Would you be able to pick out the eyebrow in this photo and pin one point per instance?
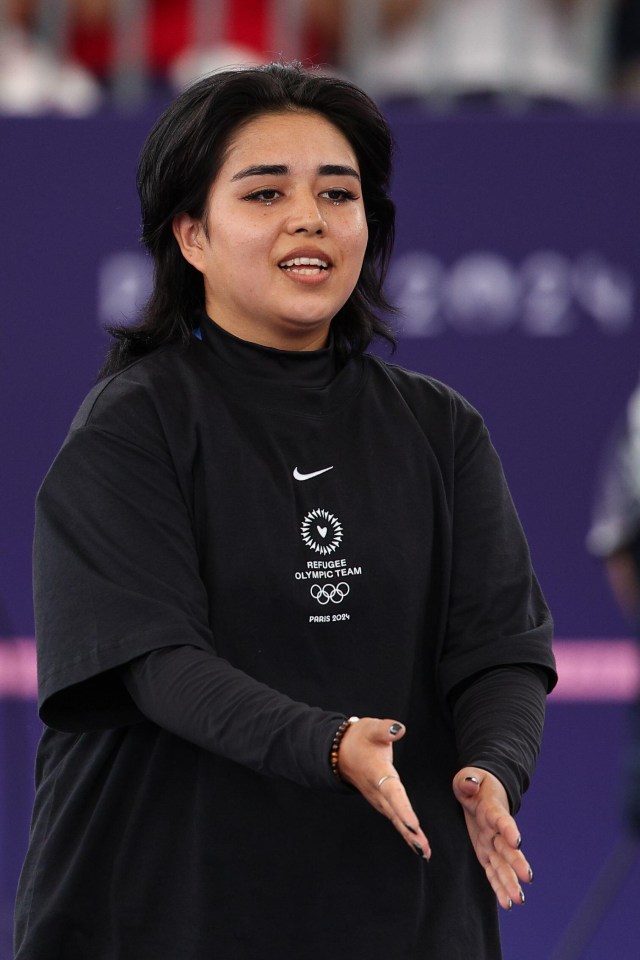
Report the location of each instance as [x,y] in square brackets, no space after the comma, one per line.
[280,170]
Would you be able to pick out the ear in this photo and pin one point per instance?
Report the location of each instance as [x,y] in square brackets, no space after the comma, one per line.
[190,236]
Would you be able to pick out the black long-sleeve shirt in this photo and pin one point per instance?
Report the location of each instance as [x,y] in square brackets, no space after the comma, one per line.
[498,717]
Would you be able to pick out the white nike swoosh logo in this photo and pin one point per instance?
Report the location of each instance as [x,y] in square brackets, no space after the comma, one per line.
[307,476]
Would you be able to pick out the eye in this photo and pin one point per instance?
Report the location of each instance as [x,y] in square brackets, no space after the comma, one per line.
[266,196]
[339,195]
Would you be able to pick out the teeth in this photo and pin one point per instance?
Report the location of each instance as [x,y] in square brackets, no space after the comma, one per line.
[305,262]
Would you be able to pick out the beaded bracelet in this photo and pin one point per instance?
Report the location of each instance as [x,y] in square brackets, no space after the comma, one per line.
[335,746]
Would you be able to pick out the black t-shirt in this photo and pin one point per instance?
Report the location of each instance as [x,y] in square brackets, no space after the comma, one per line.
[339,540]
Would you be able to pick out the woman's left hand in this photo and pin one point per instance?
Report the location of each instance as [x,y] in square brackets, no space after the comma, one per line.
[493,832]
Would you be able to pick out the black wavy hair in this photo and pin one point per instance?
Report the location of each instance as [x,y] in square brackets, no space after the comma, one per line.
[180,160]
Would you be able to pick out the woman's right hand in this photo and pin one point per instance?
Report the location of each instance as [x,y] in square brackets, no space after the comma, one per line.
[365,760]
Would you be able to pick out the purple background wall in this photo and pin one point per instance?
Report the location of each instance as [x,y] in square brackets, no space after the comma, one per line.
[517,268]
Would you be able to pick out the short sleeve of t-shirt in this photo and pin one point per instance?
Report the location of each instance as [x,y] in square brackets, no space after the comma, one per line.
[497,614]
[493,609]
[115,563]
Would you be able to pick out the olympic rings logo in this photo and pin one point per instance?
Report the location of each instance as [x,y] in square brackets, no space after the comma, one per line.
[330,592]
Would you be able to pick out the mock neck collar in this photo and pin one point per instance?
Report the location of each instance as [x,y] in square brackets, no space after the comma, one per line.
[306,367]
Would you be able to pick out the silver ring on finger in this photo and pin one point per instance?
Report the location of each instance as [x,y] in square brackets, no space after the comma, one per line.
[388,776]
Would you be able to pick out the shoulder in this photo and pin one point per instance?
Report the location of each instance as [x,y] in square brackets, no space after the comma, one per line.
[432,401]
[149,409]
[134,424]
[144,392]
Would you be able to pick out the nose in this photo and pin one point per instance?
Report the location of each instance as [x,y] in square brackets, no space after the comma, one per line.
[307,217]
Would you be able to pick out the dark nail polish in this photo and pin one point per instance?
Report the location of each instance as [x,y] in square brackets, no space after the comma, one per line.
[521,897]
[410,829]
[519,843]
[473,780]
[395,729]
[418,849]
[510,905]
[530,875]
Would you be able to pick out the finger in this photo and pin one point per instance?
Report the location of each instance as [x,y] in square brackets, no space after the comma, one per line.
[388,731]
[508,891]
[500,824]
[492,845]
[396,729]
[468,780]
[395,804]
[469,786]
[507,871]
[513,860]
[503,876]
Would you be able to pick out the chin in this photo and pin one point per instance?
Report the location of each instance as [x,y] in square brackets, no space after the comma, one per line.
[307,322]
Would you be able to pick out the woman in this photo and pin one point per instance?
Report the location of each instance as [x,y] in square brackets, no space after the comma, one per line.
[254,533]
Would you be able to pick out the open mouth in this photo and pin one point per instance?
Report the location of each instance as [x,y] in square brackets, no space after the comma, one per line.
[304,266]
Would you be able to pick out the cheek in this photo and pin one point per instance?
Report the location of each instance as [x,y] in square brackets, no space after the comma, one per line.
[252,242]
[356,242]
[360,232]
[238,227]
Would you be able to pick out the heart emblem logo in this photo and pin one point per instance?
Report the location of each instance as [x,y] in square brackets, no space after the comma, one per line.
[320,530]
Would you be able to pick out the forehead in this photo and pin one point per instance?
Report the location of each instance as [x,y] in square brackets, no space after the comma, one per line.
[294,138]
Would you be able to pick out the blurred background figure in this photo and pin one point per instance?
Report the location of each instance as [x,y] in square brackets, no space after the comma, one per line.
[50,43]
[61,55]
[615,533]
[615,538]
[36,73]
[625,49]
[186,38]
[541,50]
